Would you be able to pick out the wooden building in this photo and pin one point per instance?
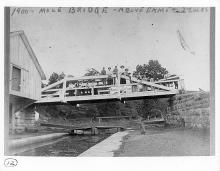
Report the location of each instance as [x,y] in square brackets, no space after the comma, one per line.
[25,79]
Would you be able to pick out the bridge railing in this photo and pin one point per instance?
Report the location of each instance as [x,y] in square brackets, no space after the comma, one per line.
[100,86]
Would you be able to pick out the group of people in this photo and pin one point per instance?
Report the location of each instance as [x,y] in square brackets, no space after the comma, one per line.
[115,71]
[122,70]
[110,80]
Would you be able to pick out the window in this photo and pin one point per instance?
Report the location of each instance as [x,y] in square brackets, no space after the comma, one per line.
[16,79]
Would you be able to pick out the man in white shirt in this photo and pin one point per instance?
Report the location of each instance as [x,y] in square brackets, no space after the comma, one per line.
[122,70]
[109,72]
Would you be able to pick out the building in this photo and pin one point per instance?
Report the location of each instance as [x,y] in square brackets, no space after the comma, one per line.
[25,81]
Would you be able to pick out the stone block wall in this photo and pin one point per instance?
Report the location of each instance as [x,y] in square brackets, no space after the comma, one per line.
[24,121]
[191,110]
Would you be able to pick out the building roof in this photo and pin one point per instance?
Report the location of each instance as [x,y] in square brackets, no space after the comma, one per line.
[30,51]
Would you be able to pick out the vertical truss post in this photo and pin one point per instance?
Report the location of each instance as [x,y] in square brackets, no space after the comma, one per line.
[64,90]
[92,89]
[118,84]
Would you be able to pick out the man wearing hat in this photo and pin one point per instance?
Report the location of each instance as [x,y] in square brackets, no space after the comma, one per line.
[103,72]
[127,74]
[109,73]
[122,70]
[115,72]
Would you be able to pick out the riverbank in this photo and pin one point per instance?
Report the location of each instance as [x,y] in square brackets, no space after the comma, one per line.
[165,142]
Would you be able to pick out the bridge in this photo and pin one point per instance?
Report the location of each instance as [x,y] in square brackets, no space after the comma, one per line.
[88,89]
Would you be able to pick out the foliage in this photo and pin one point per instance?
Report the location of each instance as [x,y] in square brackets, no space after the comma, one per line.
[55,77]
[91,71]
[148,105]
[151,70]
[43,85]
[70,75]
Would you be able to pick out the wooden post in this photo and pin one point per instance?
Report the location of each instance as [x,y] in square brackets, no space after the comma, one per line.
[100,120]
[64,90]
[118,84]
[92,89]
[93,129]
[142,127]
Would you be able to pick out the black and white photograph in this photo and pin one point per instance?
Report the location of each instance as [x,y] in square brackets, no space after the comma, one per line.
[109,82]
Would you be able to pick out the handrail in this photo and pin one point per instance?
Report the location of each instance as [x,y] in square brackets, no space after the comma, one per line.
[90,77]
[77,88]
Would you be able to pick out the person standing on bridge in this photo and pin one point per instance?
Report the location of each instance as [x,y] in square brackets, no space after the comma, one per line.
[176,84]
[122,72]
[128,74]
[77,90]
[115,72]
[109,73]
[103,72]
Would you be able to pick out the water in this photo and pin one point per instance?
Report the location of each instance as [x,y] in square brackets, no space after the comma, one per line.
[66,146]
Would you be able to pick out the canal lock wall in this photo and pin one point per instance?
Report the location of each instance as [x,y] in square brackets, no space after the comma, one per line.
[25,121]
[191,110]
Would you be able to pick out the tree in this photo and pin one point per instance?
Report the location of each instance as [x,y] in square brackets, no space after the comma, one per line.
[43,85]
[61,76]
[55,77]
[151,70]
[91,71]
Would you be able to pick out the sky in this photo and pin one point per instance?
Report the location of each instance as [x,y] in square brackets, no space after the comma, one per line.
[70,40]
